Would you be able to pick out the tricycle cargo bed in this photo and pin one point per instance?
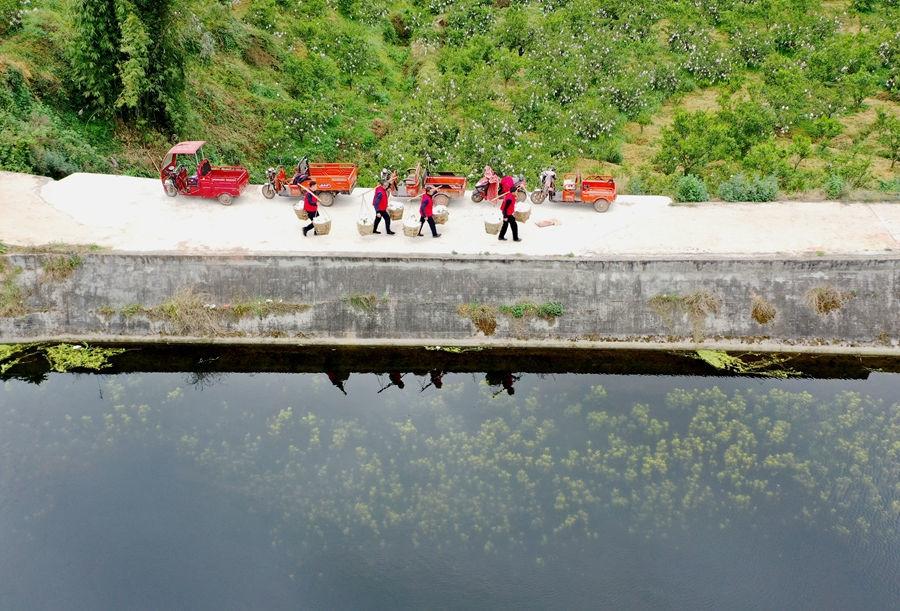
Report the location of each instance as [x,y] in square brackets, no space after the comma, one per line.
[340,177]
[229,179]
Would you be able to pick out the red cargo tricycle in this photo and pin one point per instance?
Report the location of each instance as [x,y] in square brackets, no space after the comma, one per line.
[331,179]
[448,185]
[222,182]
[593,189]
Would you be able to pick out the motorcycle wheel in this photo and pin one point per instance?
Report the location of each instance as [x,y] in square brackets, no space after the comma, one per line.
[326,198]
[170,189]
[225,199]
[268,190]
[477,196]
[538,197]
[601,205]
[521,195]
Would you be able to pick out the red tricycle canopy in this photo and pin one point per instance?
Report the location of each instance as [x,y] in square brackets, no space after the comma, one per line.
[186,148]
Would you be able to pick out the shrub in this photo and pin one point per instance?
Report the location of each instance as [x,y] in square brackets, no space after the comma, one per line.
[636,186]
[691,188]
[741,188]
[834,186]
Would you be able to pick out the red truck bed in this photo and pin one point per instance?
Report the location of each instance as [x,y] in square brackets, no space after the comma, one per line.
[226,179]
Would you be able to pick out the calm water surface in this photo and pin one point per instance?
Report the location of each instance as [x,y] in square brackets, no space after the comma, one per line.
[277,491]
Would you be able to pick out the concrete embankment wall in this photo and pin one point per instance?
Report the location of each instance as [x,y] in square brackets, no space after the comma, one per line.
[417,298]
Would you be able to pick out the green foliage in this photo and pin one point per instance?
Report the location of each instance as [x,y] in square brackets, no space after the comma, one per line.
[453,84]
[60,268]
[548,311]
[363,303]
[741,188]
[691,142]
[68,357]
[887,127]
[10,16]
[691,188]
[835,187]
[12,296]
[126,58]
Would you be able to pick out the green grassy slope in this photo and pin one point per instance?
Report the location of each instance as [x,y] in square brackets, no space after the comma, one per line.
[789,89]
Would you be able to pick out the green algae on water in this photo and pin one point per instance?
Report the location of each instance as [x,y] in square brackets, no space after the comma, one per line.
[11,355]
[764,366]
[65,357]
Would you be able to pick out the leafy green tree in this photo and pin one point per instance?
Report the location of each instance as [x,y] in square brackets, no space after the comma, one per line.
[95,52]
[691,141]
[126,58]
[888,130]
[801,148]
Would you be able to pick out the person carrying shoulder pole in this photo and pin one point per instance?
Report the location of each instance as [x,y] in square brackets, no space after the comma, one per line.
[380,203]
[311,205]
[508,210]
[426,212]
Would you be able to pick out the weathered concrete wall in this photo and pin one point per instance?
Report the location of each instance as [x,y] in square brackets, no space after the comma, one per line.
[418,297]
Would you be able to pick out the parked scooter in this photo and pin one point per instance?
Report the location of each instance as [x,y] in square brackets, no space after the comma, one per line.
[488,186]
[548,187]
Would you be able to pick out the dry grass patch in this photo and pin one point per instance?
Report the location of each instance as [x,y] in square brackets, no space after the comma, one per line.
[484,317]
[761,310]
[823,300]
[58,269]
[189,313]
[12,297]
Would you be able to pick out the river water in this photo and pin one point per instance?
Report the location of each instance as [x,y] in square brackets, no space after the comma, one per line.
[577,491]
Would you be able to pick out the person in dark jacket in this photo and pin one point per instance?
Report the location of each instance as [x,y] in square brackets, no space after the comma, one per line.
[380,203]
[311,205]
[508,210]
[426,212]
[301,172]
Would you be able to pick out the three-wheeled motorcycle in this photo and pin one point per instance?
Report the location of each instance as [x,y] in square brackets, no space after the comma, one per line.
[592,189]
[332,179]
[204,179]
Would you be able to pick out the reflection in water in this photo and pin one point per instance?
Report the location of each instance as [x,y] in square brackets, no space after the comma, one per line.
[273,490]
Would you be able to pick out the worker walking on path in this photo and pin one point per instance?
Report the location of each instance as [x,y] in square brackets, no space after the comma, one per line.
[426,212]
[311,205]
[380,203]
[508,210]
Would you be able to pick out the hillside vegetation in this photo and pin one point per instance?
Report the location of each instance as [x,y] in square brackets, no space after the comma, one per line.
[736,99]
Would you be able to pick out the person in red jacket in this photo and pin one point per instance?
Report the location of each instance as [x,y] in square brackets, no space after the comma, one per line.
[311,205]
[506,184]
[426,211]
[508,210]
[380,203]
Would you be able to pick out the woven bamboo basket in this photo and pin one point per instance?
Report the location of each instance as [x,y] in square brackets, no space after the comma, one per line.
[322,224]
[523,212]
[395,211]
[411,226]
[492,223]
[365,226]
[300,212]
[441,214]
